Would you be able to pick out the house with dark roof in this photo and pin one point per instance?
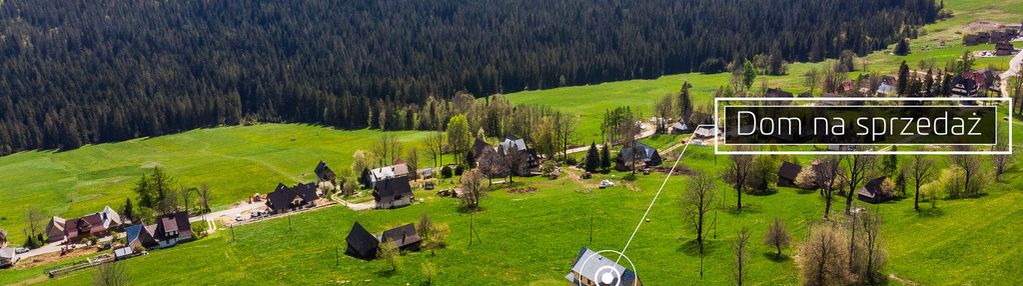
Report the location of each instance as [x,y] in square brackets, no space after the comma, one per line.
[787,174]
[171,229]
[479,146]
[636,153]
[404,237]
[512,141]
[324,173]
[777,92]
[140,236]
[1004,49]
[361,244]
[589,265]
[964,87]
[985,78]
[872,191]
[393,193]
[97,225]
[284,199]
[398,170]
[8,257]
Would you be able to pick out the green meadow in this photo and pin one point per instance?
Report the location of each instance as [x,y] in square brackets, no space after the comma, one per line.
[526,239]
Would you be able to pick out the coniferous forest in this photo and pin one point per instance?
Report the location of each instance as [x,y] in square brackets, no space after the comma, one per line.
[76,72]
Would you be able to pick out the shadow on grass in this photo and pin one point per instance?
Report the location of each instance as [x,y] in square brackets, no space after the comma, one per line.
[807,191]
[931,212]
[746,208]
[768,192]
[386,273]
[692,248]
[462,208]
[773,256]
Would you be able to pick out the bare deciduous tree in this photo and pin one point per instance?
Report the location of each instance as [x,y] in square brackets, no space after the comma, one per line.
[739,172]
[387,150]
[777,236]
[970,166]
[741,247]
[874,255]
[822,257]
[36,221]
[472,188]
[111,274]
[697,201]
[389,252]
[857,166]
[435,147]
[921,169]
[827,172]
[492,164]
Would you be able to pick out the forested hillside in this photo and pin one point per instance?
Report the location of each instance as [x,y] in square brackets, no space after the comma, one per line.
[76,72]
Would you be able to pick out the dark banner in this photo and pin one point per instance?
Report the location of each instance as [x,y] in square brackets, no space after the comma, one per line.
[863,125]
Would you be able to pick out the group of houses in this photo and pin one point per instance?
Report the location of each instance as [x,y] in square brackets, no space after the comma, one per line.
[93,225]
[872,192]
[169,230]
[1001,38]
[364,245]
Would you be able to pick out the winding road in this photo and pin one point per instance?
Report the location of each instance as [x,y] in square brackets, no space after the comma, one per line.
[1014,66]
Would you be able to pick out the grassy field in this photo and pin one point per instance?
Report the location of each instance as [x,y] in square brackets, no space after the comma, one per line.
[527,239]
[235,161]
[531,239]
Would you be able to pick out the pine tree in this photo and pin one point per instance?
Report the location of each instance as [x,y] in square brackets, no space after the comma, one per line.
[129,210]
[902,48]
[592,158]
[901,84]
[605,158]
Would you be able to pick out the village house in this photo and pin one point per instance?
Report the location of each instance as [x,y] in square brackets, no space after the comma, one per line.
[361,243]
[635,153]
[8,257]
[404,237]
[589,264]
[324,174]
[680,127]
[1004,49]
[964,87]
[705,132]
[284,199]
[393,193]
[777,92]
[787,174]
[511,141]
[169,230]
[73,230]
[479,147]
[398,170]
[873,192]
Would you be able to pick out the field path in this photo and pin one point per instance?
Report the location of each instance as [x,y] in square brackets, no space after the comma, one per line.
[1014,66]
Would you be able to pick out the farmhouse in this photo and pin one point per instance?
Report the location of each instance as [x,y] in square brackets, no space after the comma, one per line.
[511,141]
[637,153]
[705,132]
[479,146]
[1003,49]
[873,192]
[964,87]
[777,92]
[73,230]
[8,257]
[172,228]
[985,78]
[361,243]
[140,236]
[398,170]
[284,199]
[588,264]
[324,174]
[393,193]
[680,127]
[404,237]
[787,174]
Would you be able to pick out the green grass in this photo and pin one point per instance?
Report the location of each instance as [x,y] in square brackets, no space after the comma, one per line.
[235,161]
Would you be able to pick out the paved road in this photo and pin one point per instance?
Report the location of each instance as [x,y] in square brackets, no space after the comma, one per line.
[231,212]
[648,130]
[1014,66]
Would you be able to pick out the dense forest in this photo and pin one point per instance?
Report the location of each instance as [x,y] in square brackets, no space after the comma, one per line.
[76,72]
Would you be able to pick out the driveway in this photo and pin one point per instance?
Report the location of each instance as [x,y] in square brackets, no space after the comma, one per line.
[648,130]
[1014,66]
[238,209]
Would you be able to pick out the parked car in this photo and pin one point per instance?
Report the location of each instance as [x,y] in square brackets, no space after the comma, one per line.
[20,250]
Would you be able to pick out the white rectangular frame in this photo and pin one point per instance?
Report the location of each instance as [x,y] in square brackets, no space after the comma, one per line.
[717,140]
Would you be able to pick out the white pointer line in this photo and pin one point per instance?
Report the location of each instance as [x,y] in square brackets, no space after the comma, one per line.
[651,206]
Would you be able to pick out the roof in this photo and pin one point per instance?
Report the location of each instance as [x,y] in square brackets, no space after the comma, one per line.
[706,131]
[872,188]
[479,145]
[392,188]
[645,152]
[402,235]
[681,126]
[323,171]
[112,217]
[7,253]
[886,88]
[588,263]
[361,240]
[282,196]
[383,173]
[514,141]
[173,222]
[789,171]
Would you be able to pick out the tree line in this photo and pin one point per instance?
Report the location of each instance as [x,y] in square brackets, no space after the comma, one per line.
[84,72]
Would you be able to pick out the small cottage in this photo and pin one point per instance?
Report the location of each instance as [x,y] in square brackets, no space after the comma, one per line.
[404,237]
[787,174]
[361,244]
[393,193]
[589,265]
[873,191]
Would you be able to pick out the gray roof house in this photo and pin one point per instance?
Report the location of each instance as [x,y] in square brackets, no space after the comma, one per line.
[589,264]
